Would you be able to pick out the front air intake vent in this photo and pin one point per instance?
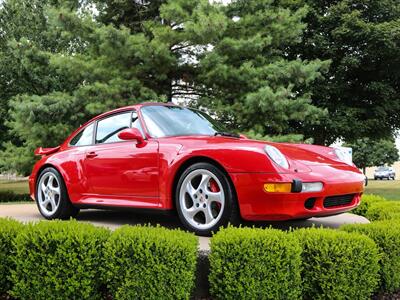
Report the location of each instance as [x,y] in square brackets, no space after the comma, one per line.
[340,200]
[310,202]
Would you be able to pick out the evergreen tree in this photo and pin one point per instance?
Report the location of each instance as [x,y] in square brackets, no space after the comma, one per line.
[249,78]
[102,66]
[80,58]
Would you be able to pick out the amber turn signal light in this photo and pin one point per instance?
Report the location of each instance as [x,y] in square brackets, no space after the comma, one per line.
[278,187]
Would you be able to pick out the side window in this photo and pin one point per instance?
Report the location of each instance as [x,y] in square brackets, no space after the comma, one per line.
[136,123]
[108,128]
[84,137]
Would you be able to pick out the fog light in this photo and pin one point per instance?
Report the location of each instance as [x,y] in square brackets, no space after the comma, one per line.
[278,187]
[312,187]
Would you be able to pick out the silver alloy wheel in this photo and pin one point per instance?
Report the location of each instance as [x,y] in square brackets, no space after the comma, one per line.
[201,207]
[49,194]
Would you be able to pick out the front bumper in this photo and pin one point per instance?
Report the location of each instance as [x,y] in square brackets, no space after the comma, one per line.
[257,205]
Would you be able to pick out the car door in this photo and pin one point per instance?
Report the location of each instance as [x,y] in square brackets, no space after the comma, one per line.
[118,169]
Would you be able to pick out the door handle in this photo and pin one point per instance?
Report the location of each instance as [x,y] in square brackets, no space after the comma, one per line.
[91,154]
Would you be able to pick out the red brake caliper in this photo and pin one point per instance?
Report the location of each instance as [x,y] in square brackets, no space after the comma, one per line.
[215,189]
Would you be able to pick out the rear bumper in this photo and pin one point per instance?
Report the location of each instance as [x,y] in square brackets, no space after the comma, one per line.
[257,205]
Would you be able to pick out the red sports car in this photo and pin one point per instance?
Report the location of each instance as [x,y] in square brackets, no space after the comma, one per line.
[166,157]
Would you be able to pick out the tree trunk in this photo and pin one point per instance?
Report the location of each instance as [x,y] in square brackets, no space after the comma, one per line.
[169,91]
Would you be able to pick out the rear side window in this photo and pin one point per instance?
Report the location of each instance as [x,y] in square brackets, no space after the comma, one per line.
[84,137]
[108,128]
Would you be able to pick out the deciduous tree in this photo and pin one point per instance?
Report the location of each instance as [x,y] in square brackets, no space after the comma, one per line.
[361,90]
[369,153]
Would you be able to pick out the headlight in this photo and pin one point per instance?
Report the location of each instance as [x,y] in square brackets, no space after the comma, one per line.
[343,157]
[312,186]
[276,156]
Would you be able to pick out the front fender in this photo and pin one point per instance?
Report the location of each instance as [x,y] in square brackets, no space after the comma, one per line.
[232,159]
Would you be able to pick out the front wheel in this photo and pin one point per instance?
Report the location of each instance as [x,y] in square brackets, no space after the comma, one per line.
[52,197]
[205,199]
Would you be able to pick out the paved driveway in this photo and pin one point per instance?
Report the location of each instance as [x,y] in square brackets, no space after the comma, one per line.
[114,219]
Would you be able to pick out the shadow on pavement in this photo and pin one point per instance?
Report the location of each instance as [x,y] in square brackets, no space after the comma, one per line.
[116,218]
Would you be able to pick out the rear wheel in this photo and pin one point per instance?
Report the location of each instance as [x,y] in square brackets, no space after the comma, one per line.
[52,197]
[205,199]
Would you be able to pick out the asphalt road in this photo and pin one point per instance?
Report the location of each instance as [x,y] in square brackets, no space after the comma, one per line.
[113,219]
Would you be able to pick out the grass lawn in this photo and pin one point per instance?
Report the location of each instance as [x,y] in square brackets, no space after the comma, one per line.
[18,187]
[389,189]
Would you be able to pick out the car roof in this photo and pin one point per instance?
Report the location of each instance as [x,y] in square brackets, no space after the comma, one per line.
[121,109]
[131,107]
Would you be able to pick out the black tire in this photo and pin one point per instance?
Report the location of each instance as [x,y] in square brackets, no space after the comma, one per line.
[230,213]
[65,209]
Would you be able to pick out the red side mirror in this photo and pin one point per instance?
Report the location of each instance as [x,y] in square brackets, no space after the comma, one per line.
[130,134]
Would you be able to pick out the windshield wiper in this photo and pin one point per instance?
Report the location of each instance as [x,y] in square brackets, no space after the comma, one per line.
[230,134]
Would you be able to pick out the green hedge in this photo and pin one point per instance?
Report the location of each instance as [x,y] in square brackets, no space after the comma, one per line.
[366,202]
[386,234]
[150,263]
[248,263]
[386,210]
[338,265]
[377,208]
[58,260]
[71,260]
[8,231]
[10,196]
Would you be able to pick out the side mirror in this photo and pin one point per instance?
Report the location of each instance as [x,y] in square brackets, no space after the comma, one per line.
[130,134]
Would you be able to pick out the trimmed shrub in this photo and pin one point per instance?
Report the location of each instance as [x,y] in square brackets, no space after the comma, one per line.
[249,263]
[387,210]
[10,196]
[338,265]
[366,202]
[386,234]
[150,263]
[8,231]
[58,260]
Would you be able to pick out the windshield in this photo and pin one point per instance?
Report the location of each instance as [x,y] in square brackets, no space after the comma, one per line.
[162,121]
[383,169]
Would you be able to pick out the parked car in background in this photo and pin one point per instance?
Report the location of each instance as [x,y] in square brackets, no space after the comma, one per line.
[384,172]
[166,157]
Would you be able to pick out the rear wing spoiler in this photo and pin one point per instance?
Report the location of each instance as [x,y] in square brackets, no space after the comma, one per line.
[46,151]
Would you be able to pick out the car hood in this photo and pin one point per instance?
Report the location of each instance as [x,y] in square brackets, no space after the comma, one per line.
[297,154]
[310,155]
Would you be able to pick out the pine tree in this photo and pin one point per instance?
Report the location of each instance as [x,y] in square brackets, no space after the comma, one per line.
[250,80]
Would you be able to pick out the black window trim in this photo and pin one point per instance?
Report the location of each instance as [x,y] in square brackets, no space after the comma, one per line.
[95,123]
